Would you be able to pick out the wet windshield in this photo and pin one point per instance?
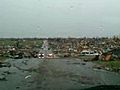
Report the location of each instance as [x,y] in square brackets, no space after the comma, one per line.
[59,45]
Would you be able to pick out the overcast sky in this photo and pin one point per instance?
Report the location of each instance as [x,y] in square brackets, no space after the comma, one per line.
[59,18]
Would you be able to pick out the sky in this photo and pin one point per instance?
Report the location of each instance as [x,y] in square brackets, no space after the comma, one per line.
[59,18]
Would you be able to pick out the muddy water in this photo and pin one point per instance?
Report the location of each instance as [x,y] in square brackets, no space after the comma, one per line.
[54,74]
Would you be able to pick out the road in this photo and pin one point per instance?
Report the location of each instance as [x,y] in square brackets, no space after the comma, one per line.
[54,74]
[45,49]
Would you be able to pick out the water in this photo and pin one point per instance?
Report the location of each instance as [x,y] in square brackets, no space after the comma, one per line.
[55,74]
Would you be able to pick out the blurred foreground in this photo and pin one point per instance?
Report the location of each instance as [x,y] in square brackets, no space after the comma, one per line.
[54,74]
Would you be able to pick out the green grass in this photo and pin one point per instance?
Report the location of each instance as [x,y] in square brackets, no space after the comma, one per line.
[110,64]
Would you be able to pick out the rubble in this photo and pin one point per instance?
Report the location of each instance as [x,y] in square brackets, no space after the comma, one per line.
[5,64]
[72,47]
[28,76]
[98,67]
[61,47]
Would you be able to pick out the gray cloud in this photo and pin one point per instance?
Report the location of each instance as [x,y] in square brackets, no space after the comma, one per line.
[52,18]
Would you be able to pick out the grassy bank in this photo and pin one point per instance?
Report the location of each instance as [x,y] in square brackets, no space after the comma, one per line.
[110,65]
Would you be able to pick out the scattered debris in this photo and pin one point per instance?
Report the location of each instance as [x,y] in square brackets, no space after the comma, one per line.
[83,63]
[98,67]
[76,63]
[27,76]
[85,60]
[17,87]
[24,62]
[5,64]
[106,68]
[7,72]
